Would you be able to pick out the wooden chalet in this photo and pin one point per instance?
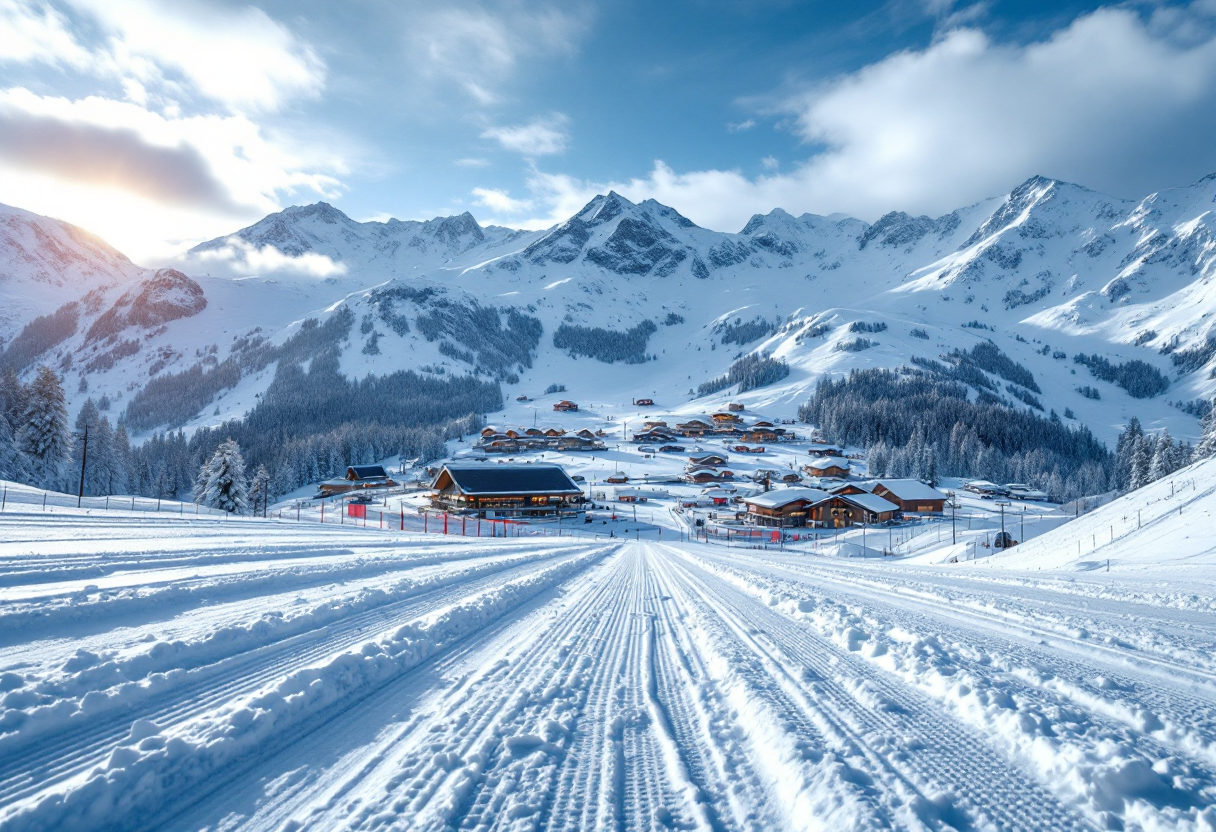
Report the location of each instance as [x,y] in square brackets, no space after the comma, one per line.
[790,477]
[784,508]
[794,507]
[824,449]
[710,460]
[694,427]
[744,449]
[760,435]
[654,423]
[829,466]
[566,406]
[735,407]
[912,496]
[708,475]
[506,491]
[644,402]
[843,510]
[616,479]
[358,478]
[671,449]
[725,417]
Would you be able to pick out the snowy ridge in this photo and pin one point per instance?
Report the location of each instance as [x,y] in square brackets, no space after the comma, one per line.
[1047,272]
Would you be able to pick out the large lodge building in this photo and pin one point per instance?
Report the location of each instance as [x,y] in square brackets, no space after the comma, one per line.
[513,491]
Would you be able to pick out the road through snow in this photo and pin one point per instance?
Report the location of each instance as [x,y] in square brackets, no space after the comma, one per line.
[351,680]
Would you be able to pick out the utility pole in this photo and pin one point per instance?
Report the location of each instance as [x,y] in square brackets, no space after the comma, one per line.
[1002,504]
[84,455]
[953,513]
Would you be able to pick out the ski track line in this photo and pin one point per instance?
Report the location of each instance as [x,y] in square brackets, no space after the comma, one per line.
[1196,629]
[183,602]
[434,767]
[948,757]
[1187,709]
[162,815]
[703,726]
[47,761]
[1163,720]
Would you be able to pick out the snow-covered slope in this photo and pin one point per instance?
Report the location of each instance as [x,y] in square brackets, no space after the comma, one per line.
[1046,272]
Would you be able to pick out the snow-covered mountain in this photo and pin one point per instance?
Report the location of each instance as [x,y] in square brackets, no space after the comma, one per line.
[1048,272]
[45,262]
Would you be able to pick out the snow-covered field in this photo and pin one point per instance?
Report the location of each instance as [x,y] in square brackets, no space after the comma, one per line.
[179,673]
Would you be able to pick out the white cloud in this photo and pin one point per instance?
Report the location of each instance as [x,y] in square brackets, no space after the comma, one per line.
[241,258]
[539,137]
[739,127]
[239,58]
[479,48]
[500,201]
[770,163]
[1114,101]
[472,163]
[34,32]
[1111,101]
[176,178]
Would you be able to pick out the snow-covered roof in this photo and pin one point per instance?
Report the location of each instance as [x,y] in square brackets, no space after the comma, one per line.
[785,496]
[828,462]
[910,489]
[870,502]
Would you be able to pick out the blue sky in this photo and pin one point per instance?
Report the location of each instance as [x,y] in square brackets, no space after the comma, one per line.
[158,125]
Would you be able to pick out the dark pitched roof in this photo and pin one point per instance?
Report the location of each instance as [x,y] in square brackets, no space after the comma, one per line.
[366,472]
[511,479]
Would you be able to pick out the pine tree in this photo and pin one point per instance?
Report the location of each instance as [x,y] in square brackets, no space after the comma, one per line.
[1206,449]
[1141,463]
[88,419]
[13,464]
[123,469]
[1162,463]
[44,436]
[13,399]
[259,489]
[221,482]
[99,478]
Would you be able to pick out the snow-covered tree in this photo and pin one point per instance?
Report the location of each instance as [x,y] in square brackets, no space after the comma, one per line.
[13,464]
[1206,449]
[123,471]
[44,434]
[222,482]
[259,490]
[1141,463]
[87,419]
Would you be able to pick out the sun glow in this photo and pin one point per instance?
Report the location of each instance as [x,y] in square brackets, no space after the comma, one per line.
[150,233]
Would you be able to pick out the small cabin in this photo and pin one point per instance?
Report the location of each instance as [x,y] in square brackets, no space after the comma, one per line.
[616,479]
[566,406]
[644,402]
[671,449]
[710,460]
[829,466]
[358,478]
[735,407]
[725,417]
[631,495]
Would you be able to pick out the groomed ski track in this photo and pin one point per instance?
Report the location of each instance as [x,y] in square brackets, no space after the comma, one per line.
[346,681]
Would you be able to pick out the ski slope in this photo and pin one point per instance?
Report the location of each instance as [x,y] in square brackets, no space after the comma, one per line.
[178,673]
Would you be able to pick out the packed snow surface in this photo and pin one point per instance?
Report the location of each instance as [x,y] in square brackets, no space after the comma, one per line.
[198,673]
